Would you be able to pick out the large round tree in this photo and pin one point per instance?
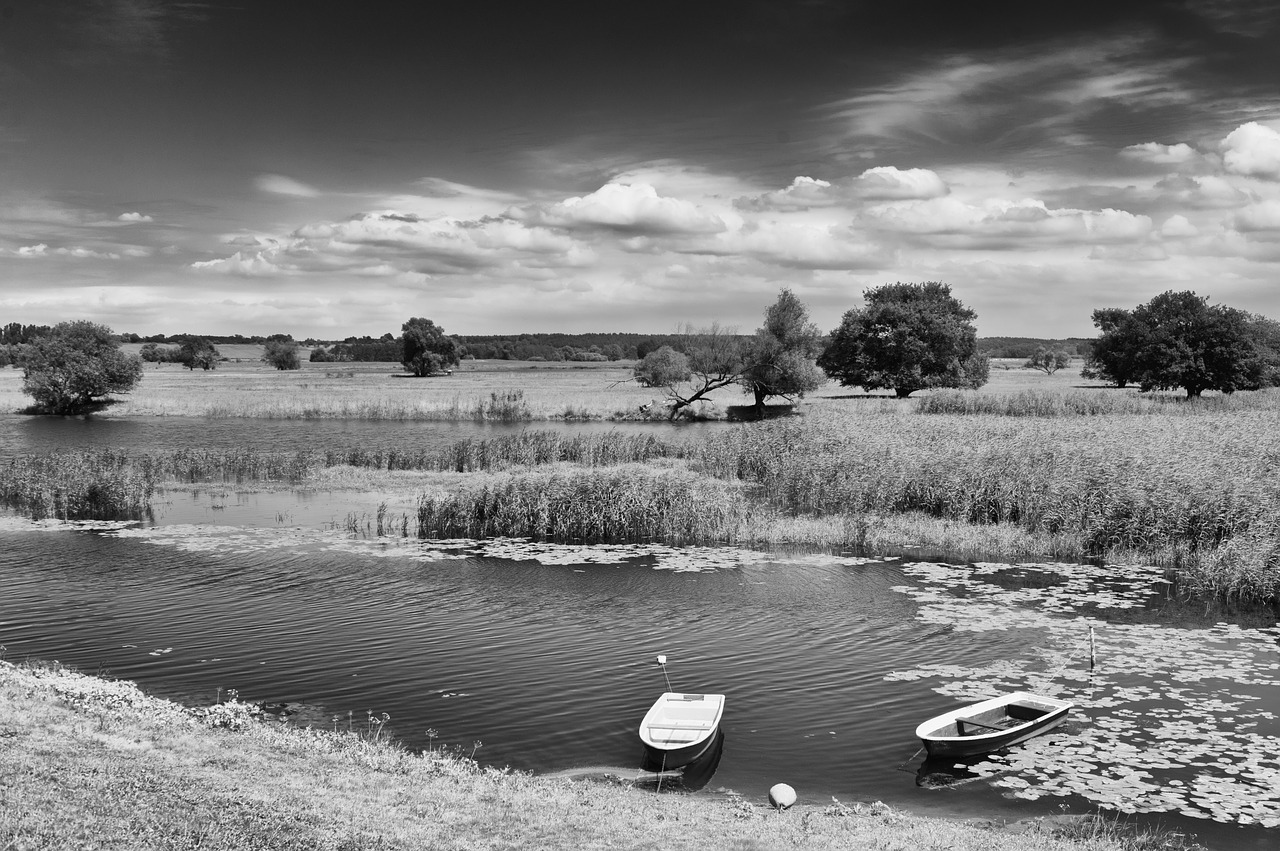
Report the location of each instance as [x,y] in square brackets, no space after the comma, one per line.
[426,348]
[1179,340]
[907,337]
[75,366]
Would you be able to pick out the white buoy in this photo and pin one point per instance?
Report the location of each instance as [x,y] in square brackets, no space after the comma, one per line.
[781,796]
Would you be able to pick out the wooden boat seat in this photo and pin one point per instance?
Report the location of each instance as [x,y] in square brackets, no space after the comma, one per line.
[682,725]
[961,723]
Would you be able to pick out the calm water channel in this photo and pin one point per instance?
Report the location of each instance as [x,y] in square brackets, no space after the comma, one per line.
[546,654]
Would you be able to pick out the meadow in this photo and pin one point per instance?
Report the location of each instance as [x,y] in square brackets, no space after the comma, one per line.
[95,763]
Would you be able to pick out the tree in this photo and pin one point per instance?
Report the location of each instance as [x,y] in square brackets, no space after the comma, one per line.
[198,352]
[77,364]
[706,359]
[1048,362]
[426,349]
[662,367]
[781,360]
[908,337]
[282,354]
[1179,340]
[1111,357]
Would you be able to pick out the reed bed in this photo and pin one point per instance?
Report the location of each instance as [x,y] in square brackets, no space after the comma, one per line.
[1199,493]
[1098,401]
[77,486]
[631,503]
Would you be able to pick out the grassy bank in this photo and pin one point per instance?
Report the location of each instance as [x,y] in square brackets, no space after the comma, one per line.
[90,763]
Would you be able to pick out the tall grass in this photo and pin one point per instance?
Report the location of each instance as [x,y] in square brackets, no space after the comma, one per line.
[628,503]
[1086,403]
[1175,490]
[77,486]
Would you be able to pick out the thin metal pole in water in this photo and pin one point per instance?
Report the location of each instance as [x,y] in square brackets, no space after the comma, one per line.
[1092,654]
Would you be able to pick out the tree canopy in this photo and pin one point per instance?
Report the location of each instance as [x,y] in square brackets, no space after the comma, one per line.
[197,352]
[426,349]
[907,337]
[282,354]
[781,359]
[76,365]
[662,367]
[1179,340]
[699,362]
[1047,361]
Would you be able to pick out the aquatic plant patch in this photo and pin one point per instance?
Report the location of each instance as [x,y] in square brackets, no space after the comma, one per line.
[1172,719]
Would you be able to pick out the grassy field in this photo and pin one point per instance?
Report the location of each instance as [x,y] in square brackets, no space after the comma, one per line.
[378,391]
[552,390]
[87,763]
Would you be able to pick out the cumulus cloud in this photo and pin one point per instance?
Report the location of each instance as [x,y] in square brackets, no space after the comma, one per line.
[885,183]
[1158,154]
[1260,217]
[1178,227]
[1253,150]
[37,250]
[133,217]
[882,183]
[278,184]
[631,208]
[804,193]
[1206,192]
[999,224]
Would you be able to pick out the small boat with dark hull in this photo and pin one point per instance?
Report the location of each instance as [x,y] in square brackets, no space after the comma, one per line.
[990,725]
[679,728]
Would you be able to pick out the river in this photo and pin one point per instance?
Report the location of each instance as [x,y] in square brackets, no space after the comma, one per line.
[545,655]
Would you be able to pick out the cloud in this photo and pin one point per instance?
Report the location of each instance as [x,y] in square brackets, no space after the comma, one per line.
[81,253]
[630,208]
[882,183]
[1006,225]
[1158,154]
[278,184]
[75,252]
[1252,150]
[390,243]
[1178,227]
[1261,217]
[133,217]
[1014,100]
[888,183]
[1146,252]
[1206,192]
[799,245]
[804,193]
[243,264]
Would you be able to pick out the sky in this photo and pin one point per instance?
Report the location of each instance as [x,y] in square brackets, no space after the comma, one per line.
[332,169]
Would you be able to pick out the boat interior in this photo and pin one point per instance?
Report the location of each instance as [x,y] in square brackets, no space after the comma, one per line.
[994,720]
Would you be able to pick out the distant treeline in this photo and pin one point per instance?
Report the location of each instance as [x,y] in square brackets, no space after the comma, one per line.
[546,347]
[1025,347]
[228,339]
[558,347]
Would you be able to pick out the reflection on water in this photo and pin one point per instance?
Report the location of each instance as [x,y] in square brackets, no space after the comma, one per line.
[692,777]
[21,435]
[544,653]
